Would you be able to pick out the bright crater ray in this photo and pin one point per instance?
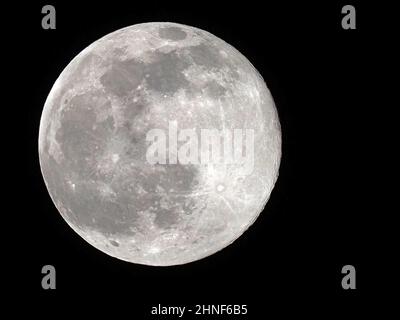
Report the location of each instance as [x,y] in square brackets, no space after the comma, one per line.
[92,144]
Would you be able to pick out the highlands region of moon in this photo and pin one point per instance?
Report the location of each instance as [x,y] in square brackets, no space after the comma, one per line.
[93,145]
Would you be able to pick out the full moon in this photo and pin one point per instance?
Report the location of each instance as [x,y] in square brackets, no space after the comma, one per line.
[123,99]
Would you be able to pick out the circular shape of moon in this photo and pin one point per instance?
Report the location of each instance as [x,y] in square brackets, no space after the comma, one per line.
[93,144]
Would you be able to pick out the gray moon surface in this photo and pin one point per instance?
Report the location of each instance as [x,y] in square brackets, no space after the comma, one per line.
[92,144]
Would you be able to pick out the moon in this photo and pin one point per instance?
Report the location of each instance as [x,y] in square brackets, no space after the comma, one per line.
[94,147]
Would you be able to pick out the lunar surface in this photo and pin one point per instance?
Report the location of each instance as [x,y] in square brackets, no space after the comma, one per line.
[97,160]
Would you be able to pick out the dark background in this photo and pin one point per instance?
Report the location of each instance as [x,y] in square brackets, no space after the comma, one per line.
[322,212]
